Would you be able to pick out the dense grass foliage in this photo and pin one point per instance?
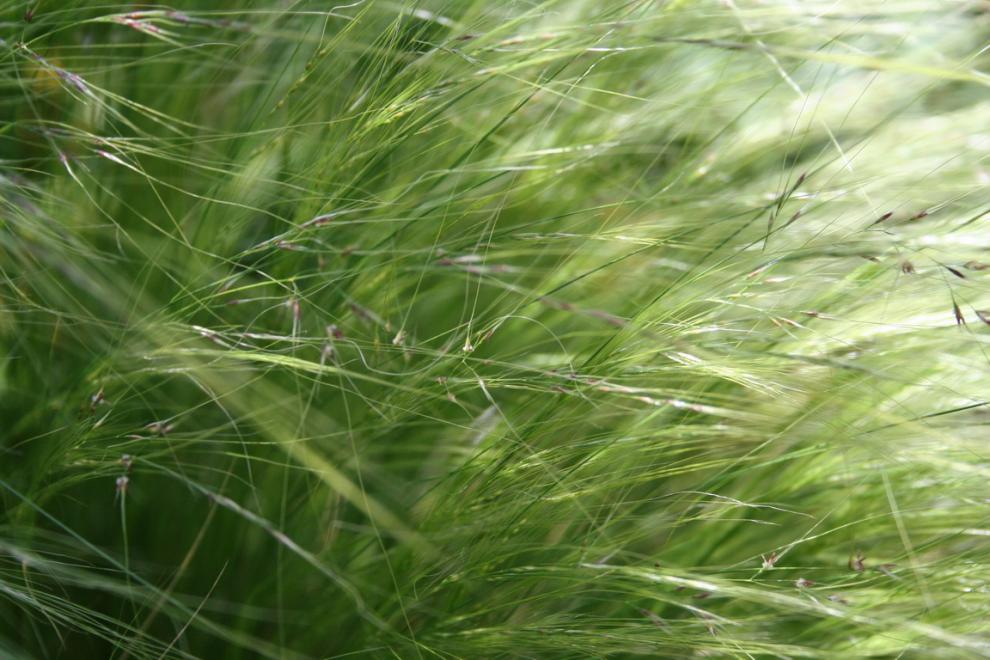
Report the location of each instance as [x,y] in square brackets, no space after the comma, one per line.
[477,329]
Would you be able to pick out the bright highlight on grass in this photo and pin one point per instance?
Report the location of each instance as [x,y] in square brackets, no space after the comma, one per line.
[473,329]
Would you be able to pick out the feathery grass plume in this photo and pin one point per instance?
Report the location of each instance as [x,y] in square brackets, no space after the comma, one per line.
[468,329]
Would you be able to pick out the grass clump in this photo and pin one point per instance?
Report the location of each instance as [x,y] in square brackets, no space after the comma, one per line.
[466,329]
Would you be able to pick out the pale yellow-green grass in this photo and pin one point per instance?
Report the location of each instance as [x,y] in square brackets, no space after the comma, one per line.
[473,329]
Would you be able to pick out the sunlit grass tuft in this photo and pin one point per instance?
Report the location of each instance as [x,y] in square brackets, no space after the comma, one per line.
[469,329]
